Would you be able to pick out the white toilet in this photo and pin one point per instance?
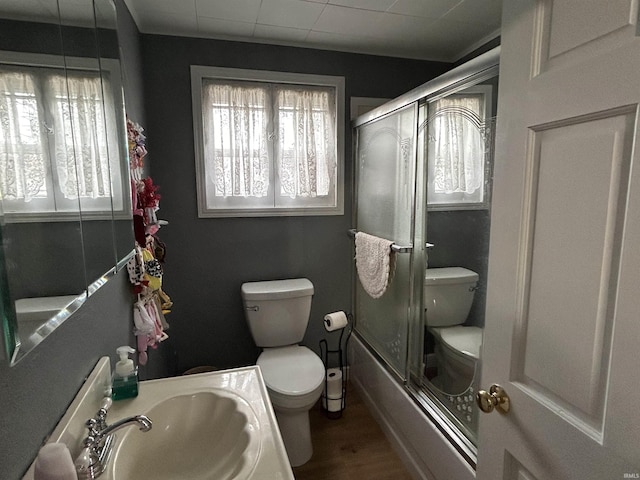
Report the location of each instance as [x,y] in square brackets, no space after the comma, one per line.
[278,313]
[448,295]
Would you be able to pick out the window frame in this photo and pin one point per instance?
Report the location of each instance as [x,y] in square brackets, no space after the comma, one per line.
[118,208]
[200,73]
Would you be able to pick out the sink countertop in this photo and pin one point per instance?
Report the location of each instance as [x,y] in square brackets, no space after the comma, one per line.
[246,382]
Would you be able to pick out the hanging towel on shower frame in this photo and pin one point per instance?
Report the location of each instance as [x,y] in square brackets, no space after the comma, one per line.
[375,263]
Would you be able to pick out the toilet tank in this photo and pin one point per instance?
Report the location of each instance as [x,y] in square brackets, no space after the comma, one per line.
[277,311]
[448,295]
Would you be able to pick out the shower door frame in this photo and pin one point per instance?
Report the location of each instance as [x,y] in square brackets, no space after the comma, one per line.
[400,376]
[479,69]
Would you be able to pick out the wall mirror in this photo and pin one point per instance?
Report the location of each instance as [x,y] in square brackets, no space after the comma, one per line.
[65,216]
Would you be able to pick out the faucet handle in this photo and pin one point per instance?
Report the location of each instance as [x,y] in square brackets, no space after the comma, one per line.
[91,423]
[89,441]
[101,416]
[101,419]
[86,462]
[94,428]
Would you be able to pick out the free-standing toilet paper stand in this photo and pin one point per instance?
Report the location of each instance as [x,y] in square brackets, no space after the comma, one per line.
[334,395]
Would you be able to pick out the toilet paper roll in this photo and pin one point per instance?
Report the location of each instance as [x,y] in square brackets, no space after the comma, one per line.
[335,321]
[332,404]
[333,388]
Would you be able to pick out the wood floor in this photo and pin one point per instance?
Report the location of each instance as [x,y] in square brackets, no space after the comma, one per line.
[352,447]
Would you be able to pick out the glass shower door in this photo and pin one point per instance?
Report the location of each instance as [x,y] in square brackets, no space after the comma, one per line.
[459,155]
[385,201]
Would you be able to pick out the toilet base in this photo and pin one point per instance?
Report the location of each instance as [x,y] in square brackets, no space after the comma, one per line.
[296,434]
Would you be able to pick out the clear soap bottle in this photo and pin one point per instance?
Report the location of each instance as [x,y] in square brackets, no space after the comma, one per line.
[125,376]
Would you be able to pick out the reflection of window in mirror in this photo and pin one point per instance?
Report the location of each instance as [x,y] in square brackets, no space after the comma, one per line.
[54,145]
[458,149]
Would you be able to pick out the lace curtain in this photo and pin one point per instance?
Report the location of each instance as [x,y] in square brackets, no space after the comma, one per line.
[235,139]
[52,132]
[22,158]
[81,152]
[306,142]
[264,140]
[456,146]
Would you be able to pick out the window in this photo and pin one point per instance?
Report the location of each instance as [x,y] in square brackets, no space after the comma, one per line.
[459,149]
[57,130]
[267,143]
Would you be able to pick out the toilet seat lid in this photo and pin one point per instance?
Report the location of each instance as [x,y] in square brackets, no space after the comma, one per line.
[467,340]
[292,370]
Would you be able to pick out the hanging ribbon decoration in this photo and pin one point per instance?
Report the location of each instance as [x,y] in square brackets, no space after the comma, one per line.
[145,267]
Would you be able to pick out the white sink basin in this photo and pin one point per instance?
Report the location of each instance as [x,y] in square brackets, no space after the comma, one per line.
[217,425]
[204,435]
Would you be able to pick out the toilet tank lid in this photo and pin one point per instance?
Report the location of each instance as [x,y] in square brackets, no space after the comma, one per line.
[449,275]
[277,289]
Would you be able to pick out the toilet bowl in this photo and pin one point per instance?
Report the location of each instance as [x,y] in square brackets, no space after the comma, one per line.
[277,312]
[458,351]
[448,296]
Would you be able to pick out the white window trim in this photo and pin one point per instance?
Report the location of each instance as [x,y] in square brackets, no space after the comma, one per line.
[112,66]
[487,91]
[199,72]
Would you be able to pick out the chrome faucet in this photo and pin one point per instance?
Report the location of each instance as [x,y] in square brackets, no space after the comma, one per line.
[143,422]
[98,445]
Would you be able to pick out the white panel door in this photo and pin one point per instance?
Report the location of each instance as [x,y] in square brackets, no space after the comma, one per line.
[562,333]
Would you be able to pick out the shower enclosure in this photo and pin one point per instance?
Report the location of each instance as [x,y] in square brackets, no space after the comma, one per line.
[423,180]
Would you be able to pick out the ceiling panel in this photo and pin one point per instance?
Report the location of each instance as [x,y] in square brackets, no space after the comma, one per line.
[238,10]
[184,7]
[376,5]
[487,12]
[289,13]
[425,29]
[347,21]
[422,8]
[279,34]
[401,27]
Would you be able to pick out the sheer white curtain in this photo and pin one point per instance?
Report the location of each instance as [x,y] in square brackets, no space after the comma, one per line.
[236,122]
[81,153]
[457,150]
[22,159]
[307,151]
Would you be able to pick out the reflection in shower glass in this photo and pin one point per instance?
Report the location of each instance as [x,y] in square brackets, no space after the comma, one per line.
[459,152]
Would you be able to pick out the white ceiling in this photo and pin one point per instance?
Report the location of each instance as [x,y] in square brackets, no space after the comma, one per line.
[442,30]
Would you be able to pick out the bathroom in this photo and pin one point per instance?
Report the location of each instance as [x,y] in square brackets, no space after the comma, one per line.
[207,259]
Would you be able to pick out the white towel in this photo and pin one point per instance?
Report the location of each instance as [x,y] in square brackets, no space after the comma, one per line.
[375,263]
[54,463]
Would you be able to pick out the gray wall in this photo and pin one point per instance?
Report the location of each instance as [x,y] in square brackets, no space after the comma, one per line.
[35,393]
[209,259]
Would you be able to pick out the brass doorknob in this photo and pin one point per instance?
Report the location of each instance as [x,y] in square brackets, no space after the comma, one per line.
[496,397]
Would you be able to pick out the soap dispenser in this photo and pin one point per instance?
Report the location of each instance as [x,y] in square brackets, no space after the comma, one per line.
[125,376]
